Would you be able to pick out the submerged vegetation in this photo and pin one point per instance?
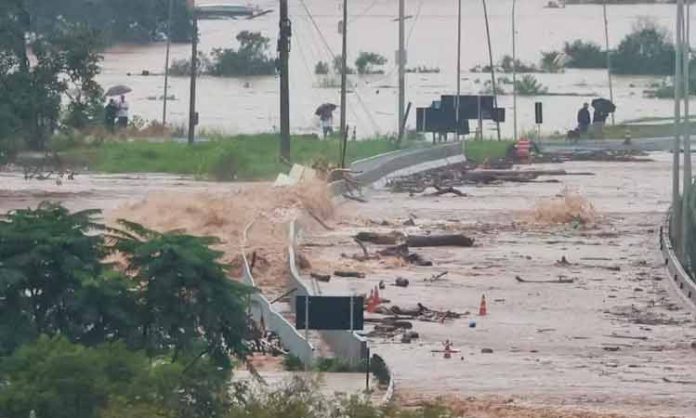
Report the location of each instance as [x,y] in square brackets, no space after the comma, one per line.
[250,59]
[646,50]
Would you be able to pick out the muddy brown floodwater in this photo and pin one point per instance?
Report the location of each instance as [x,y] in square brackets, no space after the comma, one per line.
[616,340]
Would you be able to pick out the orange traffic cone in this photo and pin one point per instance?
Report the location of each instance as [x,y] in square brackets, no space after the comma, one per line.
[371,305]
[378,299]
[483,310]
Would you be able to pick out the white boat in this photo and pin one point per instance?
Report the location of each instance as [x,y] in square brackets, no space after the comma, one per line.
[229,10]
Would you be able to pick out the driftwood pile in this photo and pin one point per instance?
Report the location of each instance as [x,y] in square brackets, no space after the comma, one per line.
[445,179]
[398,245]
[399,320]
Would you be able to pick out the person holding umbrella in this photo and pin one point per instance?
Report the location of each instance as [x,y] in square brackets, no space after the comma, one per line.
[602,109]
[122,113]
[122,107]
[325,113]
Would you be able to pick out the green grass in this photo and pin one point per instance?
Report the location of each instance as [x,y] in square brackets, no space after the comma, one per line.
[249,157]
[644,130]
[478,151]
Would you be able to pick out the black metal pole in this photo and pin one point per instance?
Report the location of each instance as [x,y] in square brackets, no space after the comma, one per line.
[367,372]
[344,68]
[490,58]
[193,119]
[284,55]
[166,63]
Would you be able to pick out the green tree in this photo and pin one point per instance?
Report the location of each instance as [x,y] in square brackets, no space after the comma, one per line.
[77,46]
[45,255]
[580,54]
[138,21]
[251,58]
[58,379]
[646,50]
[367,61]
[188,304]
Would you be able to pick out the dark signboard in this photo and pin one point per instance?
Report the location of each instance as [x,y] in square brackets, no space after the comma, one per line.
[329,312]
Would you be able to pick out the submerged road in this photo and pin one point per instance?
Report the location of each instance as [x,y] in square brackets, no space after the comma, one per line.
[618,339]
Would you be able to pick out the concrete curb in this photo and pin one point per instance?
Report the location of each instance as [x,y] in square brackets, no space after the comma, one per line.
[682,282]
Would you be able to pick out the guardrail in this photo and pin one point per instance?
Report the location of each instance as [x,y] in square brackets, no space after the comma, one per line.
[681,280]
[372,169]
[290,338]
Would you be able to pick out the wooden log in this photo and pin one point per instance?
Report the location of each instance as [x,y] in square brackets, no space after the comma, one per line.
[320,277]
[355,274]
[444,190]
[380,239]
[455,240]
[395,251]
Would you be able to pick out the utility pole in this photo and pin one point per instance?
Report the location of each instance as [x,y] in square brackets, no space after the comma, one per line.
[166,63]
[490,58]
[193,116]
[676,221]
[686,127]
[284,52]
[514,72]
[344,69]
[459,63]
[606,44]
[402,70]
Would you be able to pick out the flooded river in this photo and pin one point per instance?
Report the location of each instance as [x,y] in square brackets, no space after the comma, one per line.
[245,105]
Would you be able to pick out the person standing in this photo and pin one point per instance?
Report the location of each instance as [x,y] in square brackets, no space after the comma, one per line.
[326,122]
[110,115]
[598,120]
[584,118]
[122,113]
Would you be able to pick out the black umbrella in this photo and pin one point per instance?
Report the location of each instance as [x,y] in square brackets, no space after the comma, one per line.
[604,105]
[118,90]
[326,108]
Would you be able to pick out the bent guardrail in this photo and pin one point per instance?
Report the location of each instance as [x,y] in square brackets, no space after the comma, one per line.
[261,307]
[680,279]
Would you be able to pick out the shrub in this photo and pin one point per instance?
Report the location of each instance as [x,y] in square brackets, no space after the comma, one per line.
[528,85]
[507,65]
[367,61]
[321,68]
[182,67]
[551,62]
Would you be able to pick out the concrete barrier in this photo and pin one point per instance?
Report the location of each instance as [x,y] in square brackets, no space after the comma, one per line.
[346,345]
[680,279]
[290,338]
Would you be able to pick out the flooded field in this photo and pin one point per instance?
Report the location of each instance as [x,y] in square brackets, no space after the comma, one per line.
[581,314]
[251,104]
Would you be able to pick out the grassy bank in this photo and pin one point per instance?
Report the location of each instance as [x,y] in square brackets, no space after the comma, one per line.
[248,157]
[478,151]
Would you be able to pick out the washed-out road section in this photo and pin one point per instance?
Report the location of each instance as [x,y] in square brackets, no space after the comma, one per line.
[618,339]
